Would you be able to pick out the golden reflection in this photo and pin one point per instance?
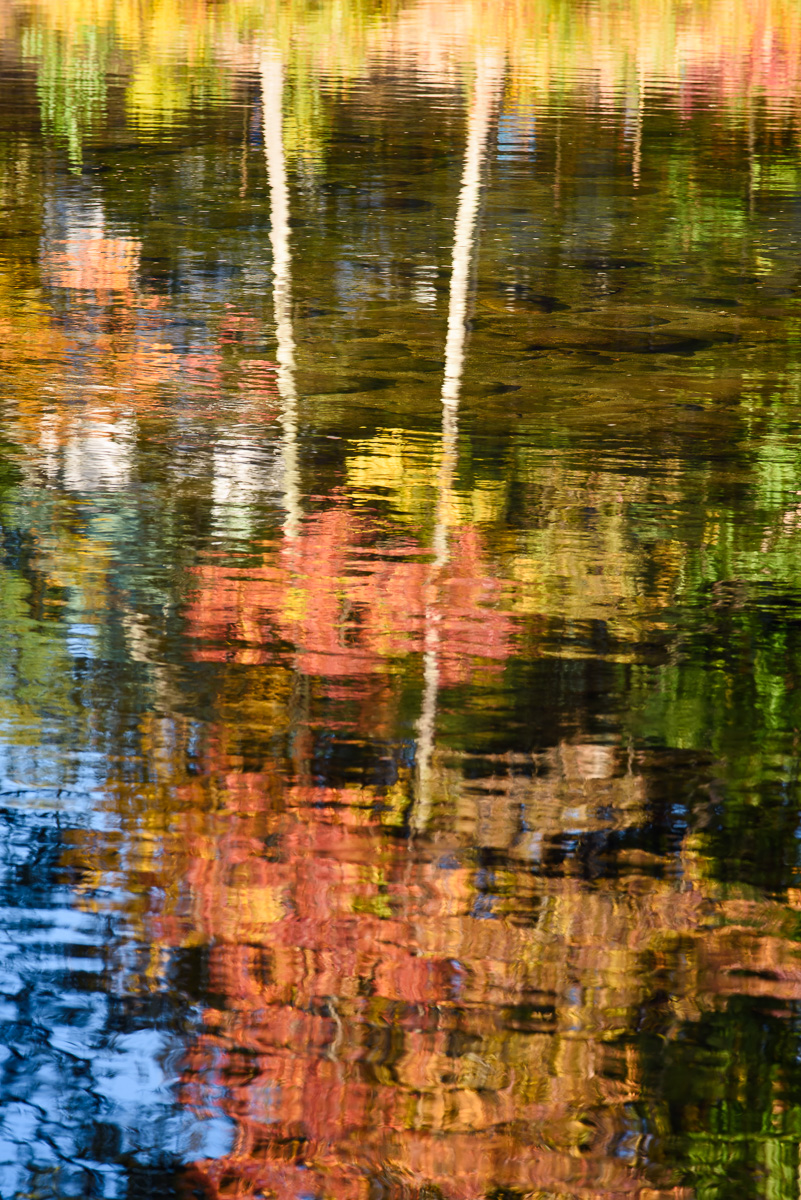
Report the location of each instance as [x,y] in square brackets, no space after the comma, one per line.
[742,53]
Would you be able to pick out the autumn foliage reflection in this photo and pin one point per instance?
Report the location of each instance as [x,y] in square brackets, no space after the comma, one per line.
[351,605]
[444,1017]
[449,995]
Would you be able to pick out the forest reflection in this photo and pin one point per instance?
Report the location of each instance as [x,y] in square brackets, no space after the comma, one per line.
[400,513]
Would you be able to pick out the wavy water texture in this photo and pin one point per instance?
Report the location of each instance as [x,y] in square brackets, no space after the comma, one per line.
[400,664]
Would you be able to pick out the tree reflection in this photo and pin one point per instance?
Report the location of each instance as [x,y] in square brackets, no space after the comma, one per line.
[438,751]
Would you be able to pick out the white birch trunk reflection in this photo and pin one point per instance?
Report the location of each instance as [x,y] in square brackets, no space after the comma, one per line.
[272,90]
[489,74]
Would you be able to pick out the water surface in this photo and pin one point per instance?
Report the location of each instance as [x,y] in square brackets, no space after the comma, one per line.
[400,497]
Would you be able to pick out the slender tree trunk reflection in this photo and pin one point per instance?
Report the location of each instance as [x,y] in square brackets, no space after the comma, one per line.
[272,84]
[488,81]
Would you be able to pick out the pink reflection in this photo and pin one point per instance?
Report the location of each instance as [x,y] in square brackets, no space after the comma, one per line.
[350,609]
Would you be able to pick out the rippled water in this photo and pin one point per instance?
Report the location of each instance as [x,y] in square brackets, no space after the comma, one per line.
[400,684]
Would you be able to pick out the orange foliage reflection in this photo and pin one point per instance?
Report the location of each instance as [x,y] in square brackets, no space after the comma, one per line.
[391,1017]
[351,606]
[98,264]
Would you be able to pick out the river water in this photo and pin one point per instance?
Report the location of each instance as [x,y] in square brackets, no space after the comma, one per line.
[400,654]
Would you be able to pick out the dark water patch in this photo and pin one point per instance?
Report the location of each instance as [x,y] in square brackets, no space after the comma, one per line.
[626,342]
[715,302]
[310,312]
[517,297]
[398,203]
[331,385]
[384,349]
[603,263]
[621,316]
[493,388]
[357,332]
[425,366]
